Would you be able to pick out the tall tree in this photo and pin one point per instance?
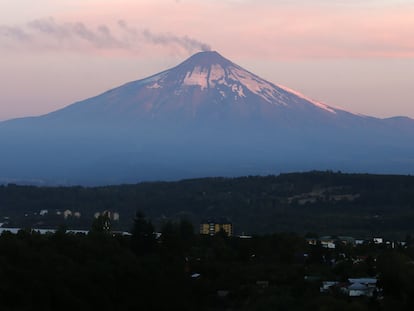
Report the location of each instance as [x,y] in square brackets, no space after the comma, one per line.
[143,236]
[101,224]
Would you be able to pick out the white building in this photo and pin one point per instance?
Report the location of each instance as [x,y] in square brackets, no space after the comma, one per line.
[361,287]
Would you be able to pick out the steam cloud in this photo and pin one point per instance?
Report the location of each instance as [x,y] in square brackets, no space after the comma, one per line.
[189,44]
[48,32]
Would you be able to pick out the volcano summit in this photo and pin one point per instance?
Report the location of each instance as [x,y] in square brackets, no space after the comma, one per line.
[204,117]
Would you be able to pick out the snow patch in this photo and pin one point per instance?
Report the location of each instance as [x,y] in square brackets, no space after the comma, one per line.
[255,84]
[217,75]
[300,95]
[197,77]
[238,89]
[156,85]
[239,80]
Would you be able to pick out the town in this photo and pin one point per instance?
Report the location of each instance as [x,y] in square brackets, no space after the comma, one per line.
[212,270]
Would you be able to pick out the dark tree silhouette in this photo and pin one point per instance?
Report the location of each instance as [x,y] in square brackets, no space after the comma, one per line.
[143,236]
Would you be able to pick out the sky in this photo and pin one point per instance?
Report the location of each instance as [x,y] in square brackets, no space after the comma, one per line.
[357,55]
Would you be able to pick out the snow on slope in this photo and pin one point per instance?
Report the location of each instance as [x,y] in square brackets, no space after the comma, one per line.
[316,103]
[206,84]
[231,78]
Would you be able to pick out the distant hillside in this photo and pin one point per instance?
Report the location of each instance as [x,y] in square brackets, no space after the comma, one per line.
[321,202]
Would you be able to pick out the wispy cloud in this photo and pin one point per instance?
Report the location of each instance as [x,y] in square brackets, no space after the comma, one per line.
[48,33]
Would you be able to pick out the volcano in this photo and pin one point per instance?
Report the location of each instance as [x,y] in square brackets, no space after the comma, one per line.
[205,87]
[205,117]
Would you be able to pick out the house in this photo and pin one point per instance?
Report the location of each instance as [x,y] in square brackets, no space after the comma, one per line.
[67,213]
[213,226]
[358,289]
[243,236]
[326,286]
[42,231]
[361,287]
[115,216]
[359,242]
[327,241]
[312,241]
[372,282]
[378,240]
[346,240]
[331,241]
[353,288]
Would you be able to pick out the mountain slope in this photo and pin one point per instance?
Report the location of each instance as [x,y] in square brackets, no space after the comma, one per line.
[207,116]
[205,86]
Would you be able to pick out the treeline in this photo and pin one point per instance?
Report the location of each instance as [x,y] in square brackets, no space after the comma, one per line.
[323,202]
[181,270]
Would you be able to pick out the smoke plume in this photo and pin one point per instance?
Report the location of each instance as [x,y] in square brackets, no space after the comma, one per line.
[185,42]
[48,32]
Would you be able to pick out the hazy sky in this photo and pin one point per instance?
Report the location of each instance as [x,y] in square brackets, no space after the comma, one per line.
[353,54]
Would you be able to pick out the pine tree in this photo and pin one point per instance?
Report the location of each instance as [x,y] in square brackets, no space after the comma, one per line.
[143,237]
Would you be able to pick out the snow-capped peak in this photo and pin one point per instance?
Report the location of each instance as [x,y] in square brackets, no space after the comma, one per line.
[209,70]
[206,85]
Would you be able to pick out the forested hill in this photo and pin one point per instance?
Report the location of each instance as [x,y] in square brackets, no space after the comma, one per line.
[321,202]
